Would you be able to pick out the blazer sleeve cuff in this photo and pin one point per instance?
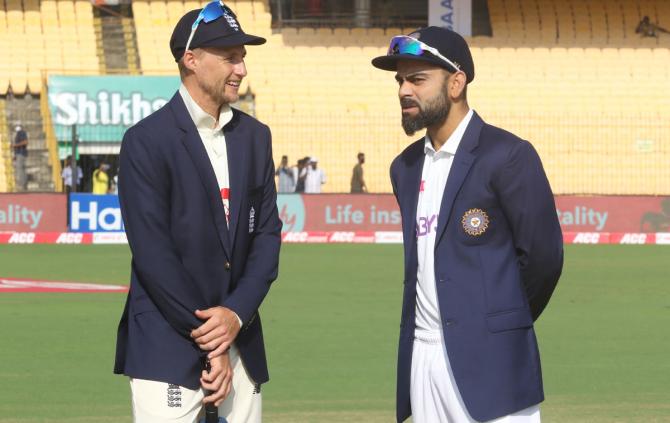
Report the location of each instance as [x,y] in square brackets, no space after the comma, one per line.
[245,300]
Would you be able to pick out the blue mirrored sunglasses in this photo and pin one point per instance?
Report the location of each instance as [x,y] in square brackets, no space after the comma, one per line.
[404,44]
[213,11]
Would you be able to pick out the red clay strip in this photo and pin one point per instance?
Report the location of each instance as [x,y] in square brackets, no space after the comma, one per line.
[31,285]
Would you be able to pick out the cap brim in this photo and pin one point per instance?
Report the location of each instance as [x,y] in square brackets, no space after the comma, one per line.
[237,39]
[390,63]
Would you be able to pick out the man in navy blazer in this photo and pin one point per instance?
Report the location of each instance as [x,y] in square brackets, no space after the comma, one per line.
[482,246]
[198,201]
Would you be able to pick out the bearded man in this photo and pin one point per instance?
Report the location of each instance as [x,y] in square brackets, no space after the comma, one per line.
[483,246]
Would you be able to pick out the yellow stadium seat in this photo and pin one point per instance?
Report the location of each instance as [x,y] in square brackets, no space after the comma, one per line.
[19,84]
[175,11]
[261,6]
[158,12]
[4,84]
[192,5]
[35,84]
[140,8]
[392,32]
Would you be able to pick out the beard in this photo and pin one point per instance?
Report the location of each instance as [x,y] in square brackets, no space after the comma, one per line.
[433,112]
[217,91]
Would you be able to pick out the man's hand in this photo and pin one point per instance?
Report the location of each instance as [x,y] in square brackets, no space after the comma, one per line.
[218,332]
[219,381]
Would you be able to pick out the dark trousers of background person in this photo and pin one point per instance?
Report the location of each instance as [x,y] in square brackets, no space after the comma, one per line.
[68,190]
[20,176]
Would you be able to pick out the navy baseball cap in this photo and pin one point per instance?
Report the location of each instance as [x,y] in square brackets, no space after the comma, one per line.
[217,26]
[439,46]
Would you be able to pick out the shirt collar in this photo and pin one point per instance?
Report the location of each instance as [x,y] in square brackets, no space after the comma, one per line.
[453,141]
[202,119]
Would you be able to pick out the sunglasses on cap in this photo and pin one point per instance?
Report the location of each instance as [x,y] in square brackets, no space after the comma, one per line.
[213,11]
[404,44]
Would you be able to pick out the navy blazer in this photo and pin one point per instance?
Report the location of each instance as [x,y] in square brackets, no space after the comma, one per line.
[184,256]
[491,286]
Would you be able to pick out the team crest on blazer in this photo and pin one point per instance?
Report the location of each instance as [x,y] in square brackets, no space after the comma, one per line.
[475,222]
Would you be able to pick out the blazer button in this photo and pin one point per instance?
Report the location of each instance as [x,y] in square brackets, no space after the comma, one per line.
[450,322]
[226,265]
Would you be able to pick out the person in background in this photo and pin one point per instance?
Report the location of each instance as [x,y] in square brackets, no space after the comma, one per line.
[314,178]
[357,182]
[115,184]
[648,29]
[20,146]
[66,174]
[301,171]
[101,179]
[288,177]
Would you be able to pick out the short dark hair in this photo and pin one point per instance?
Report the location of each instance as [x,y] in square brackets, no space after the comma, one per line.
[183,70]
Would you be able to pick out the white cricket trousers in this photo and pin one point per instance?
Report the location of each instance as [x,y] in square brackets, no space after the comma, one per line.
[433,392]
[159,402]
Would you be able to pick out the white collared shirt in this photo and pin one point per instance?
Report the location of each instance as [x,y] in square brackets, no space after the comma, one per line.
[214,140]
[314,179]
[436,168]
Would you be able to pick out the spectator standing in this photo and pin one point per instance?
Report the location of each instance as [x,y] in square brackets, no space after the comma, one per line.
[314,177]
[357,182]
[20,147]
[301,171]
[101,179]
[288,177]
[66,174]
[115,184]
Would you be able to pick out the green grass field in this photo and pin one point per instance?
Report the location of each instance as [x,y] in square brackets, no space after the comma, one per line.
[331,325]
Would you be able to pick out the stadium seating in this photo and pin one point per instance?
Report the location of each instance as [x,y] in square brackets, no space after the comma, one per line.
[571,76]
[308,81]
[155,19]
[593,22]
[44,35]
[598,116]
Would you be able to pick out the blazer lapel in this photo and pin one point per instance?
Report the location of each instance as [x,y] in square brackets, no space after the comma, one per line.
[196,150]
[460,167]
[236,148]
[411,183]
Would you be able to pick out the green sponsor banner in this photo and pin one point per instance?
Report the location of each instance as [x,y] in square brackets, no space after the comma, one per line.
[103,107]
[65,149]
